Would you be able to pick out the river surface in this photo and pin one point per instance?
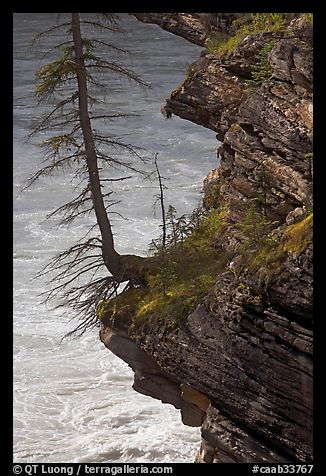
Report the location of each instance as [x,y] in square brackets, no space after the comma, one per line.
[73,400]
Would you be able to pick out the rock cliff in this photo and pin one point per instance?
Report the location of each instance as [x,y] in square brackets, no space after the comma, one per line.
[240,364]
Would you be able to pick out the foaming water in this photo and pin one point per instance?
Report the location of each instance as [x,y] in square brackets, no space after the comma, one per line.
[73,400]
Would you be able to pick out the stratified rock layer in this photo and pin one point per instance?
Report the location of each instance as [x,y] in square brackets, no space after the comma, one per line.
[240,366]
[195,27]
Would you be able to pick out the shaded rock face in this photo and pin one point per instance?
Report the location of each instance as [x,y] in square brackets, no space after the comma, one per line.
[195,27]
[220,95]
[151,380]
[240,366]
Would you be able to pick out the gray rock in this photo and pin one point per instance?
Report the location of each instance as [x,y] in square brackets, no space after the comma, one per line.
[241,364]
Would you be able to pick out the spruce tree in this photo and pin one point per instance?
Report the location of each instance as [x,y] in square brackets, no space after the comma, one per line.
[65,82]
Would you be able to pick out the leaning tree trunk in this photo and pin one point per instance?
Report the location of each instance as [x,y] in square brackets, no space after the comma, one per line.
[112,259]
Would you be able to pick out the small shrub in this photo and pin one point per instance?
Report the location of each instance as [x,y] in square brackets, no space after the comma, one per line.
[269,21]
[262,70]
[212,197]
[255,227]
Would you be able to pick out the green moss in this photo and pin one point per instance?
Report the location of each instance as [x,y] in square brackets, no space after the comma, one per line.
[255,227]
[178,279]
[269,258]
[223,44]
[181,275]
[165,310]
[299,235]
[308,18]
[235,126]
[250,24]
[121,307]
[162,310]
[244,288]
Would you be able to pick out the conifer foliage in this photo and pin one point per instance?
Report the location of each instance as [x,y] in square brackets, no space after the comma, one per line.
[74,140]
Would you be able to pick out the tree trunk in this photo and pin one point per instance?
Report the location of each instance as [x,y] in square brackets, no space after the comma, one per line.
[111,258]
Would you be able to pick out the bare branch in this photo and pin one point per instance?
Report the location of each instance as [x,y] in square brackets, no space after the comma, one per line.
[73,204]
[116,68]
[118,164]
[47,170]
[114,143]
[56,47]
[101,26]
[112,116]
[115,179]
[82,148]
[46,119]
[79,249]
[72,118]
[38,36]
[110,45]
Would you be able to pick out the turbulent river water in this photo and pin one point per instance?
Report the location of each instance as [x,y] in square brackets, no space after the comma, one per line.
[73,400]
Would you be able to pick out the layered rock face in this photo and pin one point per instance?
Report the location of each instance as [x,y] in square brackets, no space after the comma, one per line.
[266,135]
[240,365]
[194,27]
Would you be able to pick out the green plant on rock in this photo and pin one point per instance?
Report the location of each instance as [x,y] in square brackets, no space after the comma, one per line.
[308,18]
[178,227]
[268,260]
[223,43]
[192,71]
[299,235]
[165,311]
[179,275]
[269,21]
[255,227]
[262,70]
[212,197]
[249,24]
[243,288]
